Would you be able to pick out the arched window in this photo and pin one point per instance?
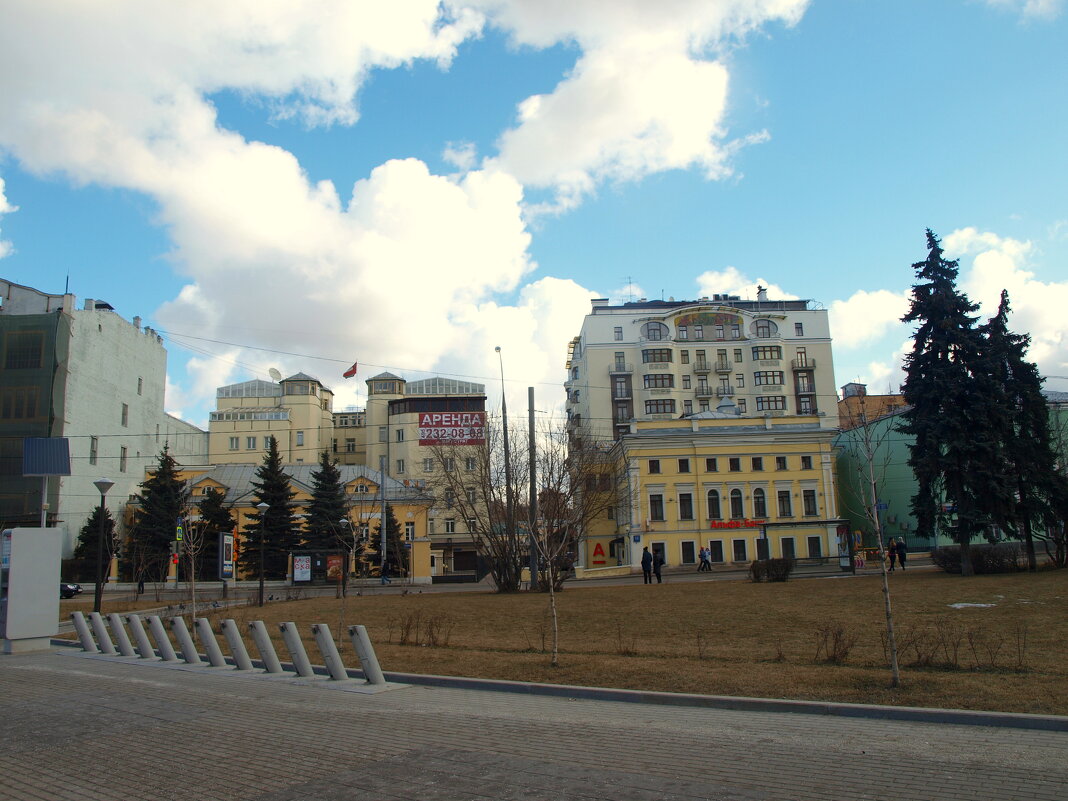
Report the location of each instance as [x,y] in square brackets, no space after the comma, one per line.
[736,504]
[713,505]
[655,331]
[760,503]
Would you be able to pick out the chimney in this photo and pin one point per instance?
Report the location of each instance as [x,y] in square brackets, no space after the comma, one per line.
[90,304]
[762,293]
[136,323]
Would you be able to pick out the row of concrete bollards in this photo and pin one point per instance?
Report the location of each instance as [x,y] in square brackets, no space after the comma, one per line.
[121,645]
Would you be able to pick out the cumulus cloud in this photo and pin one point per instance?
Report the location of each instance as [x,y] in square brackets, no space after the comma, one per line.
[866,317]
[1030,9]
[732,281]
[5,208]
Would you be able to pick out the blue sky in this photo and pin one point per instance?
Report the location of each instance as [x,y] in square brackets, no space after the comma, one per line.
[409,185]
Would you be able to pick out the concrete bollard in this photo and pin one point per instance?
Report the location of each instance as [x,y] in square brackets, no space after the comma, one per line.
[331,658]
[185,642]
[85,637]
[265,647]
[361,643]
[103,641]
[121,640]
[144,647]
[163,642]
[237,645]
[291,637]
[211,645]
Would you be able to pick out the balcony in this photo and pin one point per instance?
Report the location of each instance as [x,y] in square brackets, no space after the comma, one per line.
[703,391]
[724,392]
[806,388]
[702,367]
[724,366]
[803,364]
[620,368]
[622,394]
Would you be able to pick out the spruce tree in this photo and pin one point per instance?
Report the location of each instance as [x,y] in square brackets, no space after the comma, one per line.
[216,520]
[1039,487]
[326,508]
[90,535]
[277,530]
[164,499]
[954,416]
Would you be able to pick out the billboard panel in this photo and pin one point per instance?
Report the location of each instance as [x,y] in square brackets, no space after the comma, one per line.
[452,428]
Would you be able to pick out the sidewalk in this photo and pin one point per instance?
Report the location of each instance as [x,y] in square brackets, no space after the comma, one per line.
[80,726]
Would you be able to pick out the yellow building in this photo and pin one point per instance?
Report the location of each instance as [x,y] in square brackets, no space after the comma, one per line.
[363,491]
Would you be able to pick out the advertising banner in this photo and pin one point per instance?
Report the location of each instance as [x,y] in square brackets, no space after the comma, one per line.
[335,564]
[226,558]
[452,428]
[302,568]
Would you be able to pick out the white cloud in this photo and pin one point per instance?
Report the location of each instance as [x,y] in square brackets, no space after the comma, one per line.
[731,281]
[866,317]
[1030,9]
[461,155]
[5,208]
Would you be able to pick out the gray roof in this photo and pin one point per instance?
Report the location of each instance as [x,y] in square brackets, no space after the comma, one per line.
[303,377]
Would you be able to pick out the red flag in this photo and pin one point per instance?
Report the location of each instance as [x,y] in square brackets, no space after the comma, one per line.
[351,371]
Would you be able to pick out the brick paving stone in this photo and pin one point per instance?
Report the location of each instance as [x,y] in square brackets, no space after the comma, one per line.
[88,727]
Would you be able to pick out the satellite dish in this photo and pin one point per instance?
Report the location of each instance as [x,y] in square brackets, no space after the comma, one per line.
[274,374]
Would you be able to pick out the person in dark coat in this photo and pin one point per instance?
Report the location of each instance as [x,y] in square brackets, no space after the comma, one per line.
[658,562]
[647,565]
[902,552]
[891,551]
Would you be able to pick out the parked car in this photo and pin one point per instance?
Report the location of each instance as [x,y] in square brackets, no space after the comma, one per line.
[69,590]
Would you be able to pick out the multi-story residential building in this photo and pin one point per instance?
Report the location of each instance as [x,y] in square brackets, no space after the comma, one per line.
[350,436]
[297,411]
[91,377]
[722,412]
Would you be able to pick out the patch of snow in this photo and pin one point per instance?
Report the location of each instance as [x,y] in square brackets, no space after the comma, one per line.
[963,606]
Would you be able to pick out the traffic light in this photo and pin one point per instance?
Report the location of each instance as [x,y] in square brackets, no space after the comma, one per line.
[174,558]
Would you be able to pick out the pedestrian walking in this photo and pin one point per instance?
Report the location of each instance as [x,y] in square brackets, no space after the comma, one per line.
[891,551]
[902,552]
[705,557]
[658,562]
[647,565]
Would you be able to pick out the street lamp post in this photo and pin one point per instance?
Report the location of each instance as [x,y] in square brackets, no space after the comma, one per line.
[102,485]
[263,507]
[509,500]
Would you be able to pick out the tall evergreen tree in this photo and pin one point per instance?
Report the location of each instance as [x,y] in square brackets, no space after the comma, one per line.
[326,508]
[216,520]
[164,498]
[954,416]
[397,554]
[86,549]
[277,529]
[1028,441]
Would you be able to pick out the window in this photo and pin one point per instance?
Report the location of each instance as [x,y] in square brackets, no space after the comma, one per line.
[799,329]
[687,407]
[618,333]
[739,380]
[333,444]
[764,378]
[787,547]
[802,357]
[760,503]
[809,499]
[300,438]
[23,350]
[622,412]
[785,509]
[686,382]
[767,352]
[740,403]
[664,406]
[815,547]
[651,355]
[780,462]
[428,465]
[450,526]
[704,405]
[736,331]
[409,531]
[450,497]
[765,403]
[361,488]
[469,463]
[737,509]
[448,464]
[125,415]
[734,464]
[739,551]
[685,506]
[655,331]
[20,403]
[806,462]
[469,493]
[684,357]
[659,381]
[140,385]
[656,507]
[684,332]
[654,466]
[804,406]
[574,372]
[94,445]
[157,432]
[235,443]
[758,463]
[122,459]
[471,523]
[719,332]
[711,465]
[383,434]
[713,505]
[764,328]
[698,332]
[400,466]
[350,445]
[716,547]
[689,556]
[250,443]
[684,465]
[400,435]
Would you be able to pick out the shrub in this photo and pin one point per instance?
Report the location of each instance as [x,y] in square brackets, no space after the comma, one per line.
[1000,557]
[770,569]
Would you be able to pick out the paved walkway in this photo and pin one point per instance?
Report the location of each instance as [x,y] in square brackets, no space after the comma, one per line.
[78,726]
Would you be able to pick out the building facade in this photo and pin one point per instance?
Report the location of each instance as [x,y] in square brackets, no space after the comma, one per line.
[722,414]
[94,378]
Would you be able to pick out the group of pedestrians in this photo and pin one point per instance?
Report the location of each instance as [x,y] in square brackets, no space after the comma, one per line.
[705,557]
[897,552]
[651,564]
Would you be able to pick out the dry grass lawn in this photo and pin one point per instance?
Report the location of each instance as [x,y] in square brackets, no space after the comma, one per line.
[735,638]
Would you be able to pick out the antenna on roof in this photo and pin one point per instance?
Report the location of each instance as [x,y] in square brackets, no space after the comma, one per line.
[274,374]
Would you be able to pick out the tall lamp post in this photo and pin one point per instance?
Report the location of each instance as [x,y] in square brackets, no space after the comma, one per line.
[263,507]
[509,501]
[102,485]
